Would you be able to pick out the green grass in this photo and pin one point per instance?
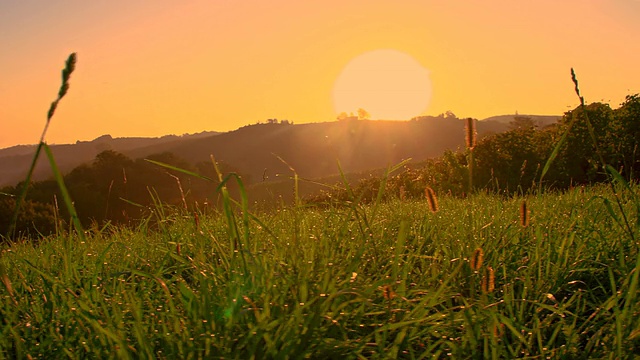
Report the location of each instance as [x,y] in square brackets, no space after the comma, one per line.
[352,281]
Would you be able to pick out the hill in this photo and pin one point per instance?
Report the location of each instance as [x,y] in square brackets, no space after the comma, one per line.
[313,150]
[540,120]
[16,160]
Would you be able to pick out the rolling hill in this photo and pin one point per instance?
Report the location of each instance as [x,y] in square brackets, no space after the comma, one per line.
[540,120]
[15,160]
[313,150]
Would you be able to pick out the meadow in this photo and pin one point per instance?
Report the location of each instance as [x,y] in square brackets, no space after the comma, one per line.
[542,274]
[473,279]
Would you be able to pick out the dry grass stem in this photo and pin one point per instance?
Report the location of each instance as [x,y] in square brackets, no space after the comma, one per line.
[196,220]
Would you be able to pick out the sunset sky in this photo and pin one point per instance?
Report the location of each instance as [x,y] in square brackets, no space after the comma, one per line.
[151,68]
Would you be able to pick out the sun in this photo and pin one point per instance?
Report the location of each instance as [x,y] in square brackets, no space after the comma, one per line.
[388,84]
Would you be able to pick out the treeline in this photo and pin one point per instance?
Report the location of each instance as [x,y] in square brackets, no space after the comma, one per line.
[112,188]
[512,162]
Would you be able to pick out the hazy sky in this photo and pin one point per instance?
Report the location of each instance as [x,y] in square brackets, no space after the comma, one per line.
[149,68]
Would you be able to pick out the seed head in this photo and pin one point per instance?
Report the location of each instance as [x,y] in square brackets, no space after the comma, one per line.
[471,136]
[476,259]
[432,199]
[388,293]
[498,330]
[488,280]
[524,214]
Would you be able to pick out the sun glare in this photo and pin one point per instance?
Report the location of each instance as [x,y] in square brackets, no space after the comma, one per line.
[388,84]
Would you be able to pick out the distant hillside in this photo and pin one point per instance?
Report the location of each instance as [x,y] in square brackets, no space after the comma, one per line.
[540,120]
[15,160]
[313,150]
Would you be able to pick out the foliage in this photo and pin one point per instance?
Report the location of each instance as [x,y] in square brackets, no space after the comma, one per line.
[624,148]
[115,189]
[512,162]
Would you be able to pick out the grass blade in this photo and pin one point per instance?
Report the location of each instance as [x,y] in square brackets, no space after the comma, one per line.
[65,193]
[70,65]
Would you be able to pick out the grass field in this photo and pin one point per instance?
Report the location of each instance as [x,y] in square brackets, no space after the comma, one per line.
[472,280]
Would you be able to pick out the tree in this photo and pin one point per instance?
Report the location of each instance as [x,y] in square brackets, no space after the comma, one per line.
[522,122]
[625,138]
[579,158]
[363,114]
[34,218]
[512,160]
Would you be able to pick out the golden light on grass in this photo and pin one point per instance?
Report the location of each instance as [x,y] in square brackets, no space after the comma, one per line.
[388,84]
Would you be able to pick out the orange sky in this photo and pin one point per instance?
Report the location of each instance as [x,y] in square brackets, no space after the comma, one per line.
[150,68]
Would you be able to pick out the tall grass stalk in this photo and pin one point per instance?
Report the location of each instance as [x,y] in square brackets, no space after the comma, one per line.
[614,176]
[70,65]
[471,141]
